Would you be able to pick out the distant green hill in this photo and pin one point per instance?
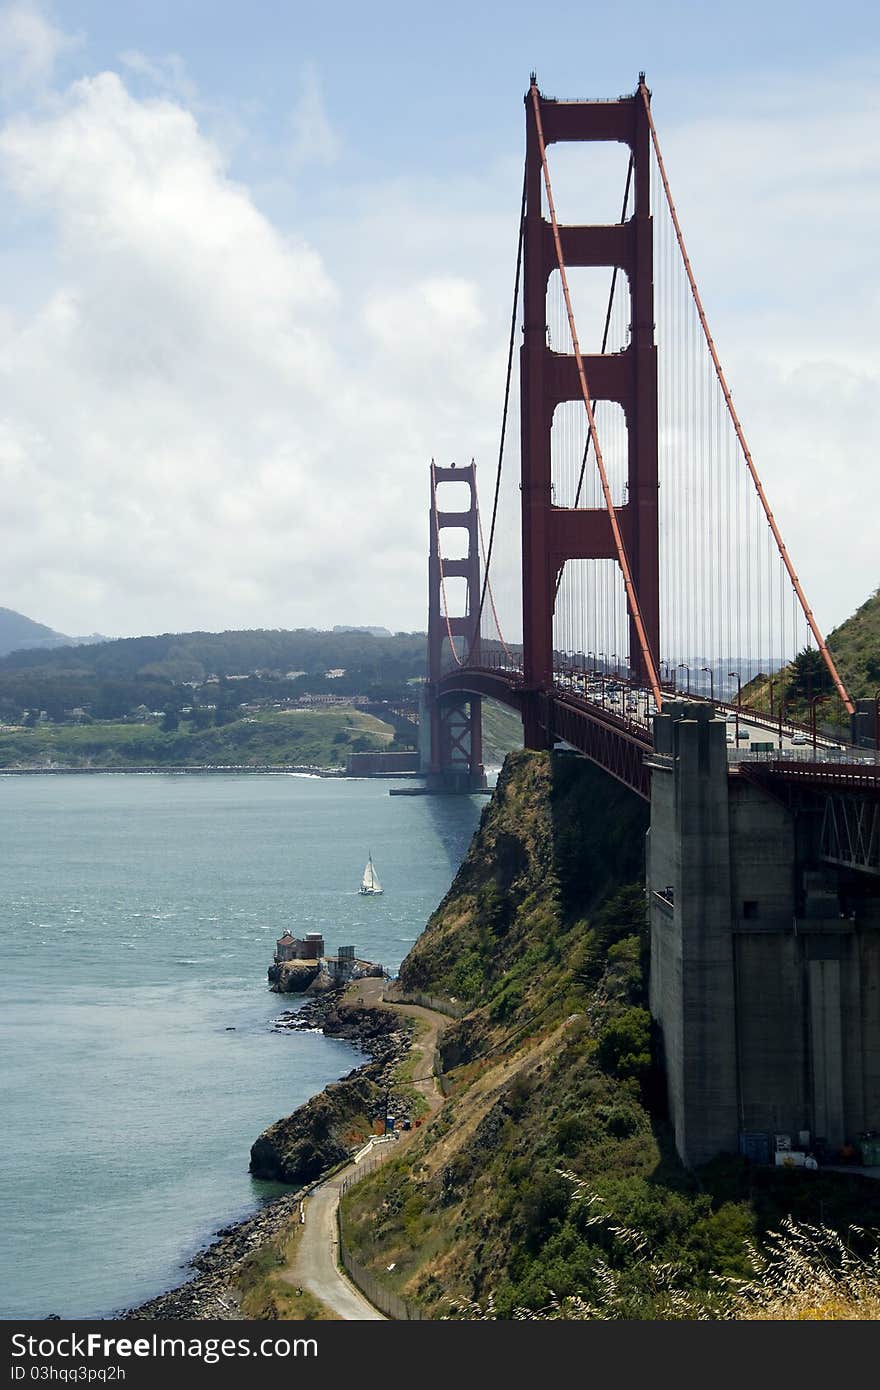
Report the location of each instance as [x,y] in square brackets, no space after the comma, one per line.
[191,656]
[301,738]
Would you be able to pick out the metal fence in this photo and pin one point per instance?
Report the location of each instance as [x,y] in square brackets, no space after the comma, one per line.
[451,1007]
[386,1300]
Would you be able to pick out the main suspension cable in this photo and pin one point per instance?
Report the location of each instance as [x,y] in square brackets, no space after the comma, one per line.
[487,585]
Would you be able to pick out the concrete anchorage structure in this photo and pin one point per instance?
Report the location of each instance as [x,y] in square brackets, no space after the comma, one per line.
[452,740]
[765,957]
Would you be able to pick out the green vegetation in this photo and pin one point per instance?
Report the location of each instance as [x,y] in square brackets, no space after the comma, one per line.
[855,645]
[303,738]
[211,671]
[550,1173]
[193,656]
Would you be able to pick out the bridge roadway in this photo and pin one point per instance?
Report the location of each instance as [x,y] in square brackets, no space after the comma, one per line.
[608,720]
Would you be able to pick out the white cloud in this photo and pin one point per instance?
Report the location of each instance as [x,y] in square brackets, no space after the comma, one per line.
[29,48]
[314,140]
[210,421]
[168,74]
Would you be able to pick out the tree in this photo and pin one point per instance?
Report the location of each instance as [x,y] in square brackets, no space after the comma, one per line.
[810,675]
[170,720]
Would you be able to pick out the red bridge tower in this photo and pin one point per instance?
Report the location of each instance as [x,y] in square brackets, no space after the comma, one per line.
[452,742]
[550,534]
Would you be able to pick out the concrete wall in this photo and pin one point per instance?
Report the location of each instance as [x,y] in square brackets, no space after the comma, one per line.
[766,993]
[693,1000]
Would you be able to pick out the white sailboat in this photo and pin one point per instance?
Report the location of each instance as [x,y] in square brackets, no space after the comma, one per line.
[370,883]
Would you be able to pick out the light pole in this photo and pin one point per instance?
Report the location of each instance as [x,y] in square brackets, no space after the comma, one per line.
[739,686]
[773,685]
[683,666]
[781,715]
[711,675]
[876,720]
[816,700]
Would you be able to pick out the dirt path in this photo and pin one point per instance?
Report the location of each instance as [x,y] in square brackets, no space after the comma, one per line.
[315,1266]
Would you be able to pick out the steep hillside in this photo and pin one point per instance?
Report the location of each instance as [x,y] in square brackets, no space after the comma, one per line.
[855,645]
[549,1170]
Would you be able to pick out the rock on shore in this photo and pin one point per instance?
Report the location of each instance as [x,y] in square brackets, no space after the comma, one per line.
[293,976]
[319,1134]
[323,1132]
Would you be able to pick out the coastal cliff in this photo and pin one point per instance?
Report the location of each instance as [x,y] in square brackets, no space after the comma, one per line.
[549,1172]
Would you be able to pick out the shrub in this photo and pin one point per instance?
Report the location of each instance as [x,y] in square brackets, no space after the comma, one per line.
[625,1044]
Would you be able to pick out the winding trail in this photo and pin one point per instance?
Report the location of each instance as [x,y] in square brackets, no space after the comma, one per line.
[315,1266]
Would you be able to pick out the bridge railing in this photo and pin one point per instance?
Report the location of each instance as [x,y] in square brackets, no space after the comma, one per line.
[842,754]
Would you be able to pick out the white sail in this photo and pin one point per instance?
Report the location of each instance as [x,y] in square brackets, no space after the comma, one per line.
[370,882]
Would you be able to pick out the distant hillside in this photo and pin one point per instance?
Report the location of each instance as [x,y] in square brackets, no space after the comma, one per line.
[17,631]
[191,656]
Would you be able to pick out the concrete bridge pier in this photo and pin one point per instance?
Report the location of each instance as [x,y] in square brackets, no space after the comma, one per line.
[692,963]
[765,957]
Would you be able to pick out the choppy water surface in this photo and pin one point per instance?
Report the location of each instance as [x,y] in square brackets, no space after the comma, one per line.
[138,915]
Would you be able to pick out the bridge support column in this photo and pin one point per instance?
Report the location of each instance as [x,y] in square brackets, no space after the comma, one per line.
[765,954]
[692,990]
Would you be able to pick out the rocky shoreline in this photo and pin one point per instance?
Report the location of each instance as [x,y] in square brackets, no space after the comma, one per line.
[211,1292]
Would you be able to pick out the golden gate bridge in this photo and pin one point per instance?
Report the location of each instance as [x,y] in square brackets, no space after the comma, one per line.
[633,556]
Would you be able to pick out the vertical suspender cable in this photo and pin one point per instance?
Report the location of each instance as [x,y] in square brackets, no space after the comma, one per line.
[777,535]
[488,558]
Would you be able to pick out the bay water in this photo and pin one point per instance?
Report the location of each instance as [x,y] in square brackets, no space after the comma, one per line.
[138,916]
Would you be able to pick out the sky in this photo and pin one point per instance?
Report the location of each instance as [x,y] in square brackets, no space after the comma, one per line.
[256,264]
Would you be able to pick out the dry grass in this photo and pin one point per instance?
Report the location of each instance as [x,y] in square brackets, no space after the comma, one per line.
[802,1273]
